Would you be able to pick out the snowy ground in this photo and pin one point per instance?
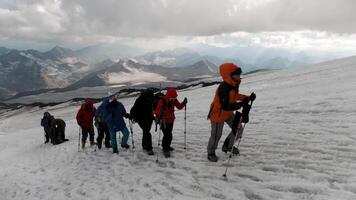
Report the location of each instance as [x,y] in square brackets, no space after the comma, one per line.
[299,144]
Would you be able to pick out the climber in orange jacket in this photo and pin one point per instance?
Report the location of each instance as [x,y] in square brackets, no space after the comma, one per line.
[227,100]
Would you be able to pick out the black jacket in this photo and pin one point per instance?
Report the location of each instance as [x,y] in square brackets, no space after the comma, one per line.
[143,107]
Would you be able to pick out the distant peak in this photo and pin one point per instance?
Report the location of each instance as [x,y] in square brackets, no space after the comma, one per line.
[60,49]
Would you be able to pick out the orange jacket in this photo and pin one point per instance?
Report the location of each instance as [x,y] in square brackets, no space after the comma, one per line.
[229,90]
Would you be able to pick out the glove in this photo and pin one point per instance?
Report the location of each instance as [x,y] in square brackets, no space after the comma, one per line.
[185,101]
[246,101]
[252,97]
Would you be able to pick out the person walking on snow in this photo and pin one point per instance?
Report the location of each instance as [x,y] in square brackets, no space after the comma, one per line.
[85,117]
[46,123]
[142,113]
[165,114]
[102,126]
[114,117]
[227,100]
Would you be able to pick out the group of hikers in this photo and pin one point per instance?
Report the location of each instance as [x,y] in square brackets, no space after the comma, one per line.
[108,118]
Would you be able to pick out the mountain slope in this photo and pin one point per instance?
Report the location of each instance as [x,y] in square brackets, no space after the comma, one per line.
[129,72]
[33,70]
[299,144]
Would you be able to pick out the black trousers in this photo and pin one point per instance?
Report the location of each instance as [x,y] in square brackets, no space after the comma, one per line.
[85,132]
[167,129]
[103,130]
[47,134]
[146,134]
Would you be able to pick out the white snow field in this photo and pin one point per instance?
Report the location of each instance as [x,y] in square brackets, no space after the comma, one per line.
[300,144]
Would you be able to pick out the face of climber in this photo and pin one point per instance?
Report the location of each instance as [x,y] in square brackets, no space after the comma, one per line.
[236,78]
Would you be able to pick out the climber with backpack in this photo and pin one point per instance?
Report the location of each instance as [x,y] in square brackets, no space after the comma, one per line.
[102,127]
[142,113]
[114,117]
[85,118]
[227,100]
[165,116]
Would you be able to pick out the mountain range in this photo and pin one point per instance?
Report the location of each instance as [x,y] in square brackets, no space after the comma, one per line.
[32,70]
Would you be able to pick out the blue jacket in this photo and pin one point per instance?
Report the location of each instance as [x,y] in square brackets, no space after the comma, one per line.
[114,114]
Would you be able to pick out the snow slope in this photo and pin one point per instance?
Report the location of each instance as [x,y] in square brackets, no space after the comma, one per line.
[299,144]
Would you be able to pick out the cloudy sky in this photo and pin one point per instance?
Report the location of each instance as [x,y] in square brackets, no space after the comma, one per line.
[294,24]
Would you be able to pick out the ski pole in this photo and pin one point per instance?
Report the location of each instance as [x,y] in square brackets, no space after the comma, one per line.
[185,127]
[96,145]
[79,139]
[228,162]
[132,138]
[159,137]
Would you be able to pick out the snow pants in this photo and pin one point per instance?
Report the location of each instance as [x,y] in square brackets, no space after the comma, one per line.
[216,132]
[124,139]
[167,129]
[103,130]
[86,132]
[146,134]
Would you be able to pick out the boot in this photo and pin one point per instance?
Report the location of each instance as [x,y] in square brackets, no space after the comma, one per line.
[115,150]
[126,146]
[92,143]
[99,144]
[212,157]
[171,149]
[107,145]
[166,154]
[83,145]
[235,151]
[150,152]
[225,149]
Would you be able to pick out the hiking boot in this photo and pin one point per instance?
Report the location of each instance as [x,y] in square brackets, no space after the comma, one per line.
[171,149]
[108,145]
[212,157]
[126,146]
[83,145]
[99,145]
[92,143]
[166,154]
[235,151]
[225,149]
[150,152]
[115,150]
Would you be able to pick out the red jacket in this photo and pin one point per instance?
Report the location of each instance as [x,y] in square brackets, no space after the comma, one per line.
[86,114]
[165,108]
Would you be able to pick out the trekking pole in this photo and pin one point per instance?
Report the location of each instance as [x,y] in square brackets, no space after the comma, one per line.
[159,137]
[185,127]
[228,162]
[79,139]
[119,138]
[96,145]
[131,129]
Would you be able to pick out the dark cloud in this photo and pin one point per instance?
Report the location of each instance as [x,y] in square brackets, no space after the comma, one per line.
[81,21]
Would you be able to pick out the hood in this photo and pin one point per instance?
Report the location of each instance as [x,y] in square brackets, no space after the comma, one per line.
[171,93]
[226,70]
[46,114]
[88,102]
